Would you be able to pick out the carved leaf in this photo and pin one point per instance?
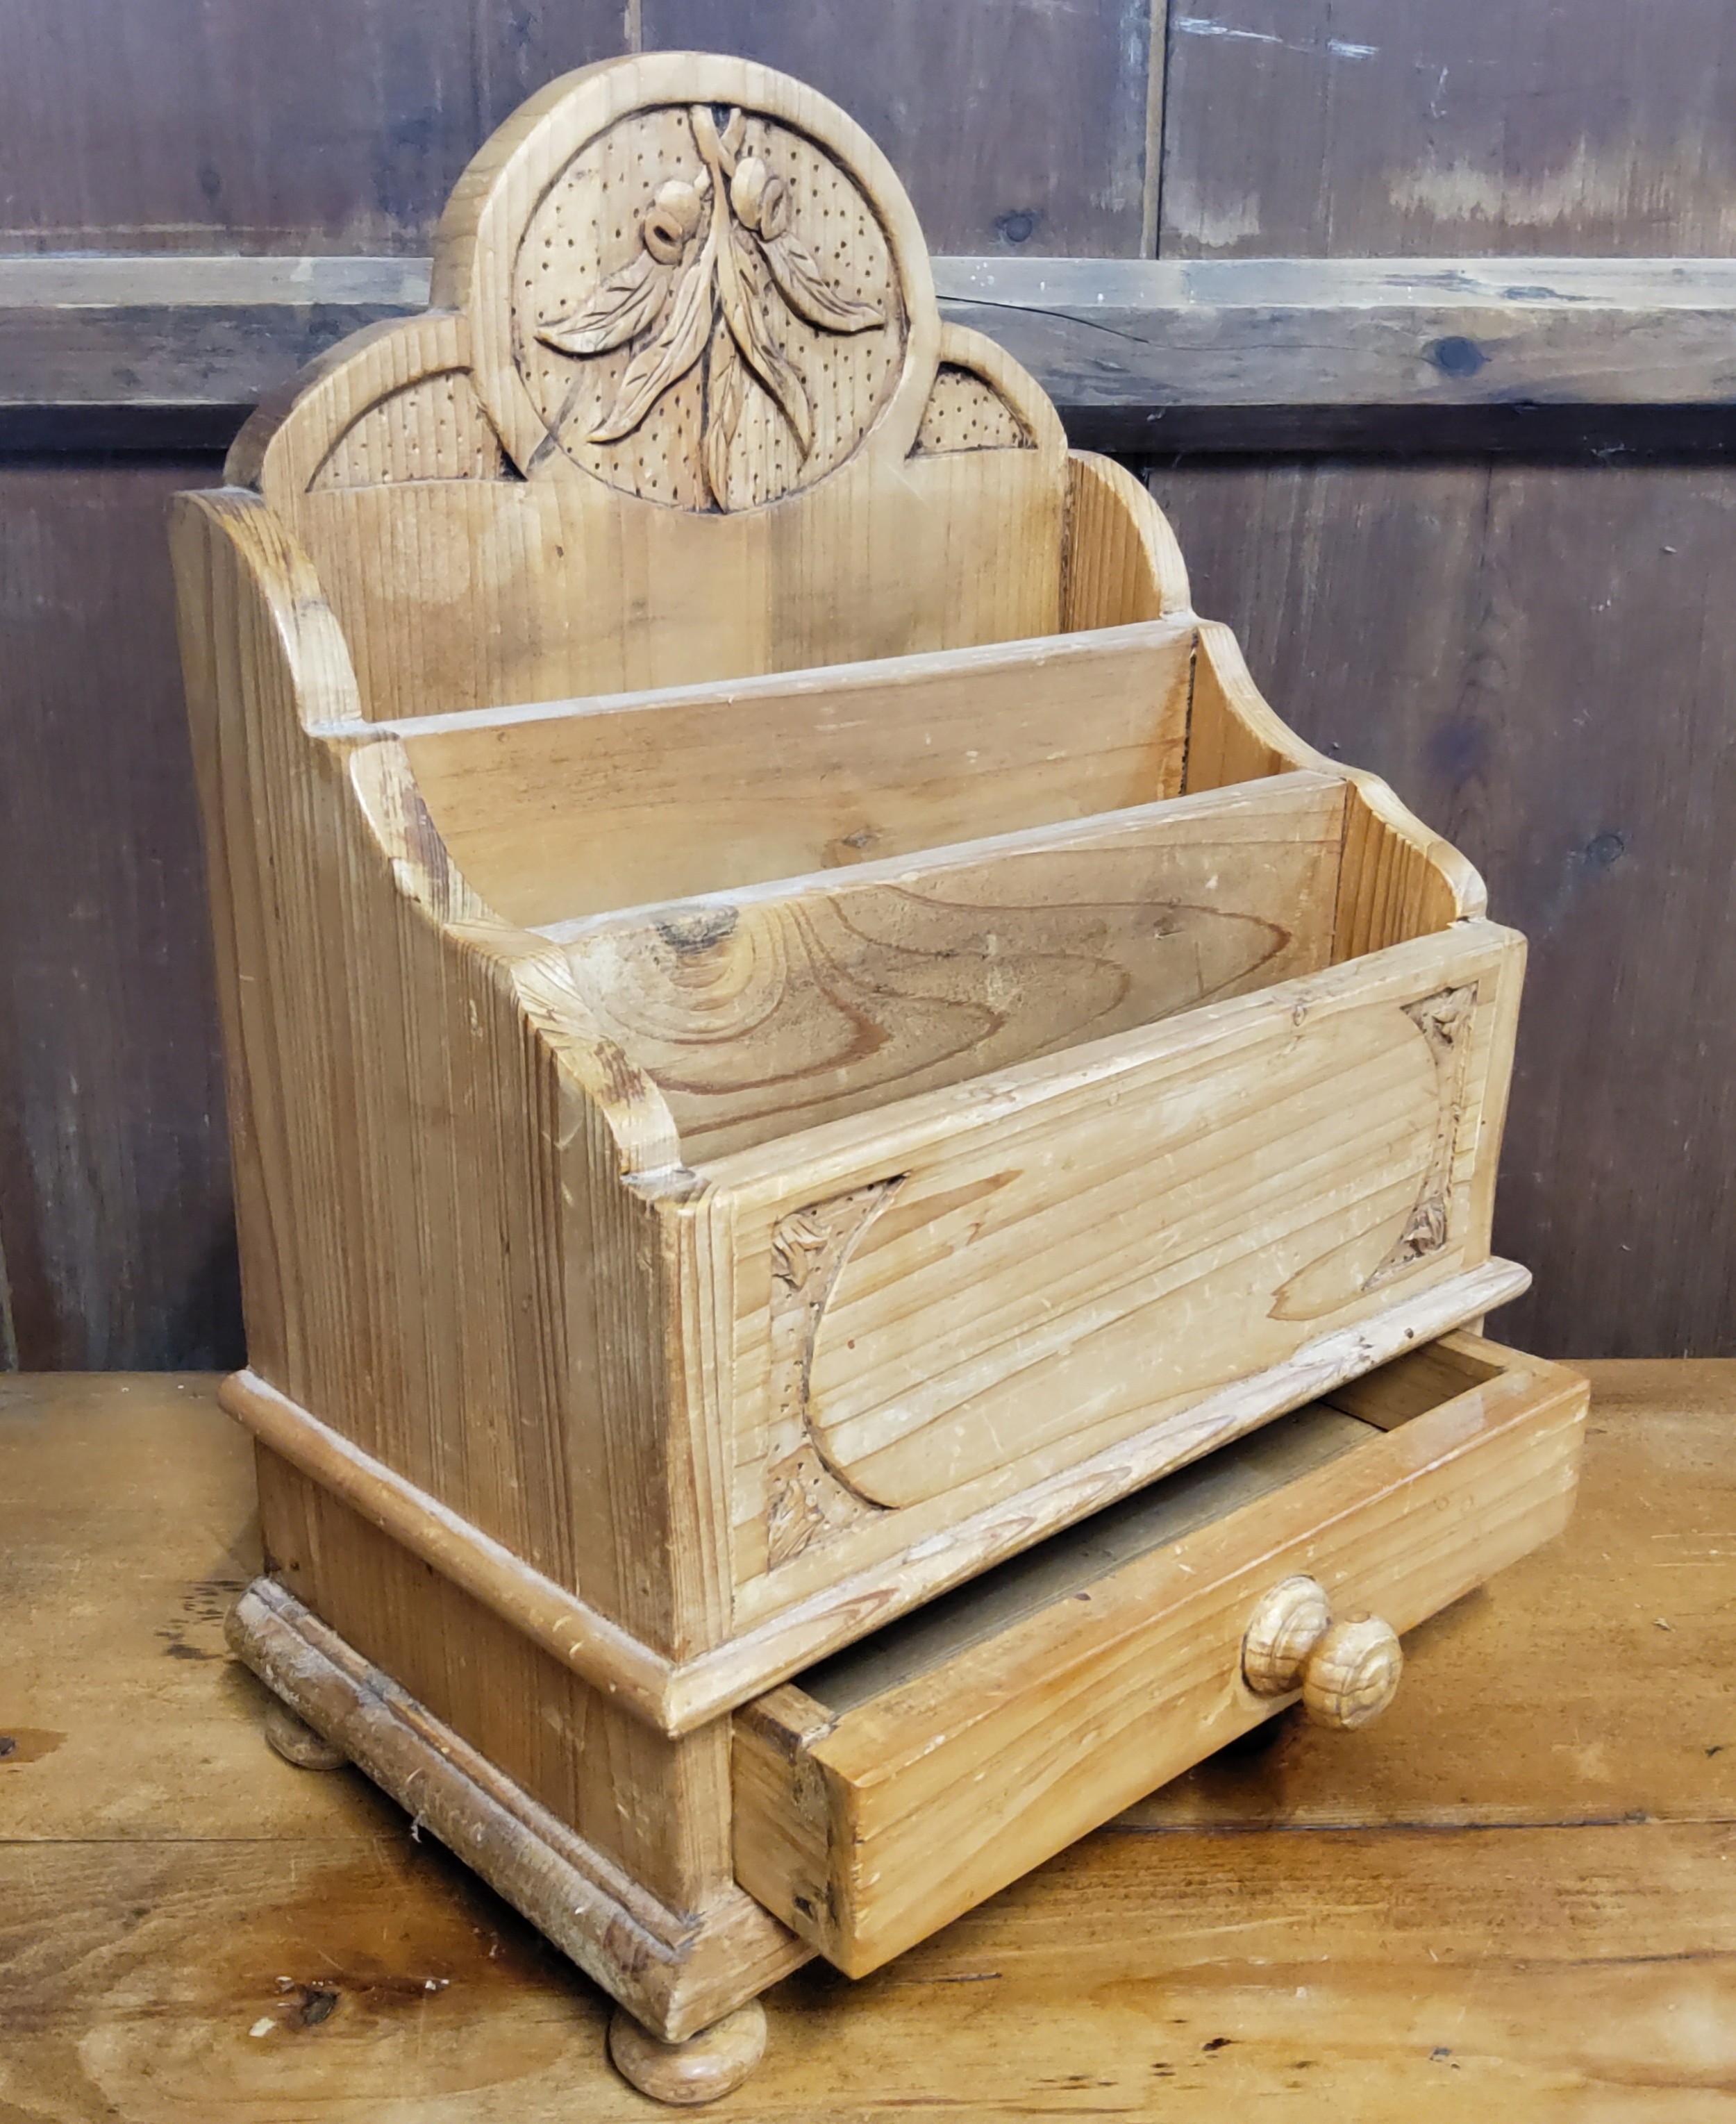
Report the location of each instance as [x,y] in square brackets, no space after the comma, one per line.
[670,355]
[744,309]
[798,1240]
[627,303]
[726,393]
[808,291]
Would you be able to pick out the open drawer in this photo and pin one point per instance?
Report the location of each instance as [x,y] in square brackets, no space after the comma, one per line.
[890,1789]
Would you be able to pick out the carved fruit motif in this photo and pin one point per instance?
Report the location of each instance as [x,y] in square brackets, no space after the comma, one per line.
[716,252]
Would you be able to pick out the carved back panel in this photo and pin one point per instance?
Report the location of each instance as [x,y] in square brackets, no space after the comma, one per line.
[683,408]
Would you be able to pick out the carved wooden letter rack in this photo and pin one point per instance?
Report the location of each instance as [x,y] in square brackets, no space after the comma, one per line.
[857,1175]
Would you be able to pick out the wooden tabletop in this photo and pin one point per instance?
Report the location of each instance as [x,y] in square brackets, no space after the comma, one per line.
[1513,1898]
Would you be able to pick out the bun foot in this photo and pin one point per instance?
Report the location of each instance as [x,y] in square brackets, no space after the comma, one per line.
[707,2065]
[296,1742]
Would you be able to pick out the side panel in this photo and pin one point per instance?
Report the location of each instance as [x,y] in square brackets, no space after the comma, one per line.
[438,1259]
[658,1807]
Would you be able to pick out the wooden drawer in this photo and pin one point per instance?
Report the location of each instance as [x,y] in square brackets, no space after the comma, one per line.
[886,1791]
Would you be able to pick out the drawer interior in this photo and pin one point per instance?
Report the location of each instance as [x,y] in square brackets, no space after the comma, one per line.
[1068,1564]
[892,1786]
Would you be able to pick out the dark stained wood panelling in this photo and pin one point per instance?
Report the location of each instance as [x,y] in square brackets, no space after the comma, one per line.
[1537,658]
[1359,127]
[114,1216]
[171,124]
[1014,124]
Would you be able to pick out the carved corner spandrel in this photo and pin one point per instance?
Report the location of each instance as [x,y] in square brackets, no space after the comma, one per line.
[1444,1019]
[806,1497]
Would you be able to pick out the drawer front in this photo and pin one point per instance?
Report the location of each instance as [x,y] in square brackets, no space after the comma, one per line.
[889,1790]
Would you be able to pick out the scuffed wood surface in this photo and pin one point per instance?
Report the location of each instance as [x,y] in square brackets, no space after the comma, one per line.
[1525,1914]
[759,1012]
[1425,126]
[981,1740]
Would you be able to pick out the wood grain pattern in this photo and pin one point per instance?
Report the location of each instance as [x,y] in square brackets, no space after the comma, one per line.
[348,1527]
[163,1302]
[703,2069]
[678,1970]
[612,1318]
[688,397]
[1122,562]
[616,802]
[159,130]
[933,1364]
[416,653]
[1396,879]
[1524,1868]
[1213,354]
[1015,127]
[866,1818]
[256,141]
[536,1273]
[757,1013]
[314,1333]
[1136,350]
[115,1225]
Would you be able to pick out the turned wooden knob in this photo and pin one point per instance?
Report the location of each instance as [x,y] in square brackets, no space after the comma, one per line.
[1352,1673]
[1347,1672]
[1289,1623]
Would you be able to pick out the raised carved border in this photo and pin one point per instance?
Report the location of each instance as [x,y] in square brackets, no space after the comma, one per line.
[806,1497]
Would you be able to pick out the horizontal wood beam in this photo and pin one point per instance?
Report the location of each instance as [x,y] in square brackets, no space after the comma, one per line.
[1252,353]
[101,352]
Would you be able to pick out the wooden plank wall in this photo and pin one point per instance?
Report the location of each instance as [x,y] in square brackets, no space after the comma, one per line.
[1531,651]
[114,1185]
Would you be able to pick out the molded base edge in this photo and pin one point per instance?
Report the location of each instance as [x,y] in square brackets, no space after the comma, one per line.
[675,1973]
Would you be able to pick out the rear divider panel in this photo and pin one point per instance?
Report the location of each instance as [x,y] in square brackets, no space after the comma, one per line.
[556,813]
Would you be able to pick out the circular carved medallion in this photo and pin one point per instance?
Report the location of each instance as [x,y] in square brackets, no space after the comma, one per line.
[705,309]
